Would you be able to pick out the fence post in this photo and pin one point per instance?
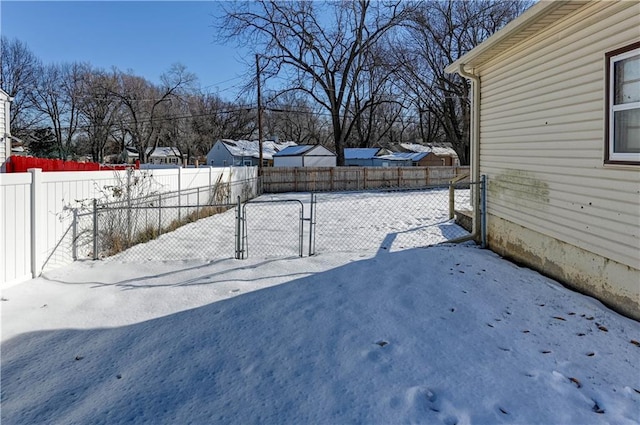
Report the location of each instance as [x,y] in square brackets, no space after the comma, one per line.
[95,229]
[312,225]
[210,195]
[74,236]
[197,203]
[129,171]
[452,200]
[179,193]
[483,210]
[238,229]
[159,213]
[37,228]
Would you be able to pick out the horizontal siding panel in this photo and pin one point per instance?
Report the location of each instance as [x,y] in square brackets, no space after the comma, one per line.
[522,194]
[532,163]
[546,124]
[589,185]
[538,80]
[521,105]
[595,211]
[615,221]
[532,158]
[566,139]
[589,132]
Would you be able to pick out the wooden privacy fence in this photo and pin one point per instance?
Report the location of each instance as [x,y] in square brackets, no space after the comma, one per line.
[327,179]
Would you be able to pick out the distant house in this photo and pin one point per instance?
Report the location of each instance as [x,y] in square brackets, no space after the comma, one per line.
[435,155]
[129,155]
[164,155]
[237,153]
[360,157]
[305,156]
[5,131]
[556,131]
[373,157]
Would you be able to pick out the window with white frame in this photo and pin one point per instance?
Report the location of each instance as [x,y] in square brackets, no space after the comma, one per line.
[623,104]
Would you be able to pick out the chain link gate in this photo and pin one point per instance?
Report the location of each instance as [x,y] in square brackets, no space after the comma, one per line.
[275,226]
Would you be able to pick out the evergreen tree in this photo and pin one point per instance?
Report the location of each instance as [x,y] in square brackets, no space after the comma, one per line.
[43,143]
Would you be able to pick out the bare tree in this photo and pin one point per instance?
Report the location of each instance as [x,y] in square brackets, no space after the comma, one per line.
[99,109]
[377,105]
[18,78]
[57,96]
[147,107]
[319,47]
[213,118]
[291,117]
[438,33]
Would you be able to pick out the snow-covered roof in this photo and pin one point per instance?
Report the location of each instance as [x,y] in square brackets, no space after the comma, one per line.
[436,150]
[404,156]
[130,152]
[295,150]
[360,153]
[311,150]
[250,148]
[162,151]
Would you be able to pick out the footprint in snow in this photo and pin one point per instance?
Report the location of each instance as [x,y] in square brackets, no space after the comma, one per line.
[423,397]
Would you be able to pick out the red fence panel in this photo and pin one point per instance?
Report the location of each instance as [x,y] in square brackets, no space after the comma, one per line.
[20,164]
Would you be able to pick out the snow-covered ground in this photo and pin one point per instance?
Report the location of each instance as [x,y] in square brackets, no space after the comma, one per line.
[445,334]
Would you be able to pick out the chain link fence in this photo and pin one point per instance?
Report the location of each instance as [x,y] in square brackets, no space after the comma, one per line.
[165,226]
[228,221]
[388,220]
[370,220]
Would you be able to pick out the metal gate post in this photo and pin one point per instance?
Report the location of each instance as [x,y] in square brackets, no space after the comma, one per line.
[301,232]
[312,225]
[483,210]
[159,213]
[129,171]
[239,231]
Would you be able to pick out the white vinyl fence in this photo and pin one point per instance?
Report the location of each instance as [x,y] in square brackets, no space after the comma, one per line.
[36,209]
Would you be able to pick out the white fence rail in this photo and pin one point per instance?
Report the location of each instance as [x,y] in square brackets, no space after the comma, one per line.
[36,209]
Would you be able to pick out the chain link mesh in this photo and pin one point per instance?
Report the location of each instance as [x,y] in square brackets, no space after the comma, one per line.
[206,223]
[274,228]
[162,226]
[387,220]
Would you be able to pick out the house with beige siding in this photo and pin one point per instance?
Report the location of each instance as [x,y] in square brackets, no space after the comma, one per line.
[556,132]
[5,132]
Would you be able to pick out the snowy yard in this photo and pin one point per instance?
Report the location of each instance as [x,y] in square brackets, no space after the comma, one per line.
[444,335]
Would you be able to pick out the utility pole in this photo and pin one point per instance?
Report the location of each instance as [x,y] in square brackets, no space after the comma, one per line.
[259,117]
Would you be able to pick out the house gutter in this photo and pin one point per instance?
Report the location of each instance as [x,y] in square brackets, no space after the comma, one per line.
[475,146]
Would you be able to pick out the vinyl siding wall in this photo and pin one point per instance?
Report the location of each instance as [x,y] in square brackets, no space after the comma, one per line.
[542,126]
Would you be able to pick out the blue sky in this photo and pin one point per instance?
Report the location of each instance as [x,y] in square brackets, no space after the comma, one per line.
[146,37]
